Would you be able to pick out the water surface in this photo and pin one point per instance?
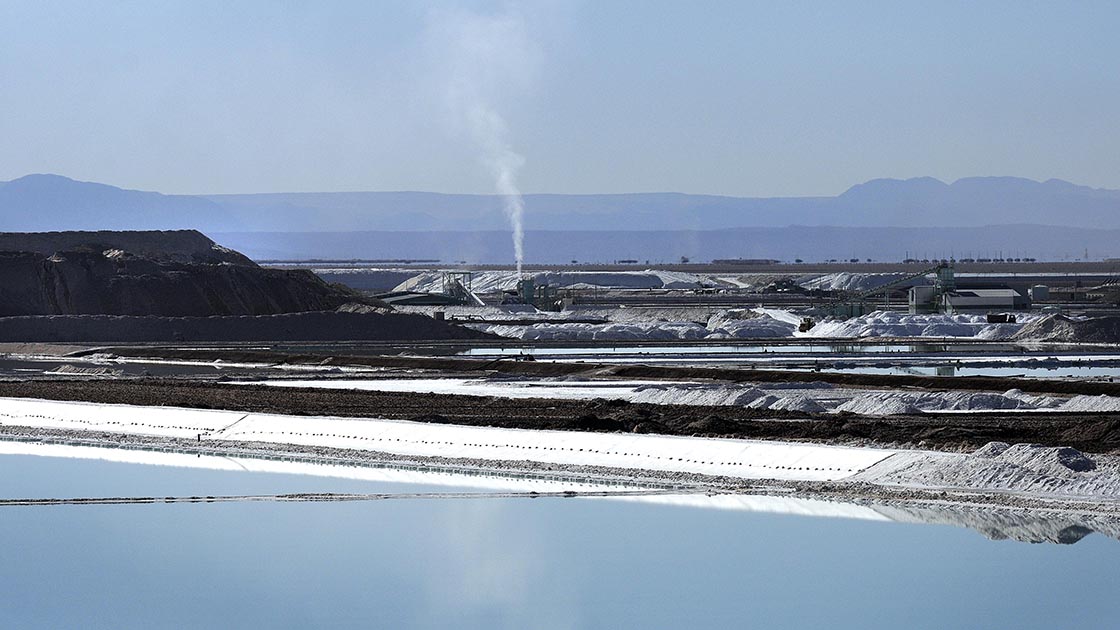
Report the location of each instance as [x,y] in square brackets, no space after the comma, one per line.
[503,563]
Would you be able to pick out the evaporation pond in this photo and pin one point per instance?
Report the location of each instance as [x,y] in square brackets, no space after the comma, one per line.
[501,562]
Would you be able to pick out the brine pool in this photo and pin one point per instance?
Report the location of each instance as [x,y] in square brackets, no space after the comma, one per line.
[510,562]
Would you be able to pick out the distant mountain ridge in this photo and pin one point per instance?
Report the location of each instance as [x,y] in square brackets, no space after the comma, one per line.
[37,203]
[53,202]
[810,243]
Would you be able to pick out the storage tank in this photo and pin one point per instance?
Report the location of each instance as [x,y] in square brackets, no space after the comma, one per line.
[1040,293]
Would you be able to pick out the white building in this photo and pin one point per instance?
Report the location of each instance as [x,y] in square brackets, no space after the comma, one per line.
[924,299]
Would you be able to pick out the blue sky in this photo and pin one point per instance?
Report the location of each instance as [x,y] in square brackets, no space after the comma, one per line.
[738,97]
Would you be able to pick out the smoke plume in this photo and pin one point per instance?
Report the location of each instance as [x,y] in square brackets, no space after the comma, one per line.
[486,61]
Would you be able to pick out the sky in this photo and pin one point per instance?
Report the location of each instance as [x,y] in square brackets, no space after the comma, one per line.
[722,97]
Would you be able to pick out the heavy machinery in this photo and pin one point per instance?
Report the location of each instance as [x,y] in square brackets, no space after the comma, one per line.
[856,304]
[544,297]
[457,285]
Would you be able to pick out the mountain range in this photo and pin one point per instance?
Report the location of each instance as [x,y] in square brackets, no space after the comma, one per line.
[810,243]
[53,202]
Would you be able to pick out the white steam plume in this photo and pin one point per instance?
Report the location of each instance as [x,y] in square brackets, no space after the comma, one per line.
[489,131]
[487,59]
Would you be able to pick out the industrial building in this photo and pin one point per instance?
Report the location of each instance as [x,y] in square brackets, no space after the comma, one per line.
[929,299]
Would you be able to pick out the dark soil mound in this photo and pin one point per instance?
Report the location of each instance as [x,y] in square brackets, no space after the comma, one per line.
[176,274]
[713,425]
[183,246]
[592,422]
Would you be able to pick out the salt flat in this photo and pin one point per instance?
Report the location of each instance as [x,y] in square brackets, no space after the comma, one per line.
[743,459]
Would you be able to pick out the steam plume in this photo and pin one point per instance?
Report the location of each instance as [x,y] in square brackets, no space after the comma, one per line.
[504,163]
[486,59]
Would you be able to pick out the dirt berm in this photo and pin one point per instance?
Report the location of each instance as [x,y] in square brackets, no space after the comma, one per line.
[316,326]
[181,246]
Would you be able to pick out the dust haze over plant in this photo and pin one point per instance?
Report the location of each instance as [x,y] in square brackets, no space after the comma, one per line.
[483,63]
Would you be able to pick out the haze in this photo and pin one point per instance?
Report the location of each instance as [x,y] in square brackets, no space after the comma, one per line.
[733,98]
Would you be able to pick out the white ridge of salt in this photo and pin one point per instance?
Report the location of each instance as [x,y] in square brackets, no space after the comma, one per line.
[1037,402]
[798,402]
[1022,468]
[762,323]
[895,324]
[846,281]
[763,402]
[710,456]
[1092,403]
[880,404]
[644,331]
[886,403]
[496,281]
[738,502]
[748,324]
[707,395]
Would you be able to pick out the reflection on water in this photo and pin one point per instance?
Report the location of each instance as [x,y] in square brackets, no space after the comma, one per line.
[182,474]
[657,562]
[995,524]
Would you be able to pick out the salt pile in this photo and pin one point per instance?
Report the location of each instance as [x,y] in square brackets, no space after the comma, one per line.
[852,282]
[887,403]
[1059,328]
[494,312]
[721,326]
[880,404]
[894,324]
[971,401]
[647,331]
[1050,460]
[496,281]
[715,395]
[1027,468]
[748,324]
[759,323]
[1092,403]
[797,402]
[895,403]
[1038,402]
[720,395]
